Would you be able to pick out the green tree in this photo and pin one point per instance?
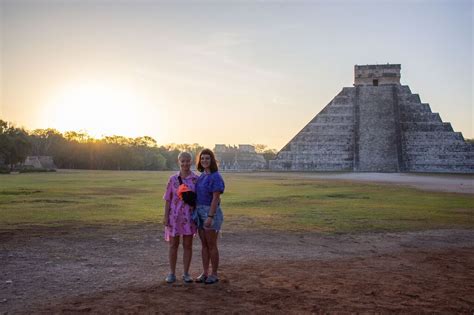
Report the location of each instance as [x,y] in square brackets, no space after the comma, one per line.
[4,141]
[14,144]
[194,149]
[45,141]
[78,150]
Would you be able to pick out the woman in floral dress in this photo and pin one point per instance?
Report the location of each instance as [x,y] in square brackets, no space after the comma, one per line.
[177,218]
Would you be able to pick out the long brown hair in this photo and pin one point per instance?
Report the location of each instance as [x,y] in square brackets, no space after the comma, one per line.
[209,152]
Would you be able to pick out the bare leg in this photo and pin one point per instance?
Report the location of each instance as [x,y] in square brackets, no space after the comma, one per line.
[173,253]
[211,239]
[188,252]
[204,252]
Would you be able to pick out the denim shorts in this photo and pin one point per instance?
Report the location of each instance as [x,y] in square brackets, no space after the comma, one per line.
[200,215]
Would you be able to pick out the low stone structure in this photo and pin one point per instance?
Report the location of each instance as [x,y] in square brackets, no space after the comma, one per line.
[40,162]
[378,125]
[242,158]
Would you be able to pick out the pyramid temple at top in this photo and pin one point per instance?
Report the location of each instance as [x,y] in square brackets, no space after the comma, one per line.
[378,125]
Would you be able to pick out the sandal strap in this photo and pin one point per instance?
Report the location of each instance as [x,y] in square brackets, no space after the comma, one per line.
[212,279]
[202,277]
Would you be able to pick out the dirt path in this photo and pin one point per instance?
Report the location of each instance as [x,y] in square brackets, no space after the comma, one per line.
[447,183]
[113,269]
[416,282]
[431,182]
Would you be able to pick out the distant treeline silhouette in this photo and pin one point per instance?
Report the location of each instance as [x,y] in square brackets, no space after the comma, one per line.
[78,150]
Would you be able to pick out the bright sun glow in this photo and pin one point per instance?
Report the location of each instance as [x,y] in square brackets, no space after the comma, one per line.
[99,109]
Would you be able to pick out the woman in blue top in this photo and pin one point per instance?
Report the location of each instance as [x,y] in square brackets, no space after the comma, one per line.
[209,187]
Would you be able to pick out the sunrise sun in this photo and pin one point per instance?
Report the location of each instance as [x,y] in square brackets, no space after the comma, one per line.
[97,108]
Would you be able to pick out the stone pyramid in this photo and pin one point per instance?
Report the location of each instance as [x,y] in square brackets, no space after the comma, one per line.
[378,125]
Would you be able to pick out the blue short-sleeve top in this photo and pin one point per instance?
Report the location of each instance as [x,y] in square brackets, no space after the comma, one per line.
[206,185]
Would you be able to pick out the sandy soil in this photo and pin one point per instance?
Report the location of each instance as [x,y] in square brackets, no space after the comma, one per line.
[118,269]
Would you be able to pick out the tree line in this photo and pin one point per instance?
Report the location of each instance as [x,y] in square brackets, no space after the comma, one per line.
[78,150]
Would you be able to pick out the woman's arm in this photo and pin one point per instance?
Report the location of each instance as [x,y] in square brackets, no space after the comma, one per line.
[167,213]
[216,198]
[167,197]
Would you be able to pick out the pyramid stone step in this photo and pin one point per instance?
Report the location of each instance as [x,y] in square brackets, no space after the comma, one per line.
[425,126]
[341,100]
[330,128]
[325,139]
[424,136]
[404,89]
[339,143]
[324,166]
[442,168]
[420,117]
[308,136]
[339,110]
[344,97]
[347,91]
[311,165]
[452,158]
[321,141]
[312,156]
[328,148]
[409,98]
[333,119]
[450,161]
[431,143]
[415,107]
[346,106]
[434,148]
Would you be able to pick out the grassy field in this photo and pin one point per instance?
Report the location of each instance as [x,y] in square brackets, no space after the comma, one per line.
[250,202]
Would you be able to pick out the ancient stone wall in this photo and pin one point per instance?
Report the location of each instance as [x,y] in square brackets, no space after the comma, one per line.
[239,159]
[40,162]
[383,74]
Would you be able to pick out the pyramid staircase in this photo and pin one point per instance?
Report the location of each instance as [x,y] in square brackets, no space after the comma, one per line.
[383,128]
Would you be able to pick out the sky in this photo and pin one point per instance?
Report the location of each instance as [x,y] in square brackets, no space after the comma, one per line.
[241,72]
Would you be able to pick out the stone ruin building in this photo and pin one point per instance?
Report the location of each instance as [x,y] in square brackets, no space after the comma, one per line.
[40,162]
[242,158]
[378,125]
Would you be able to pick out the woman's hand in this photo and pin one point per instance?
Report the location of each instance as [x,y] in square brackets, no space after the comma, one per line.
[208,222]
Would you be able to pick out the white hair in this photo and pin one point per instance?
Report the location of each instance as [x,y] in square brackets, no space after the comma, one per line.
[185,155]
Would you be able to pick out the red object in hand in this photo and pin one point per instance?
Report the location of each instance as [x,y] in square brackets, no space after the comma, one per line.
[182,189]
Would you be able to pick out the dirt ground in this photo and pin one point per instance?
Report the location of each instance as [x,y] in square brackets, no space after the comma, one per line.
[120,269]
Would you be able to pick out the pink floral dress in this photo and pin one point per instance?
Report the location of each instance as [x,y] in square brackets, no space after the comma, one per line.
[180,222]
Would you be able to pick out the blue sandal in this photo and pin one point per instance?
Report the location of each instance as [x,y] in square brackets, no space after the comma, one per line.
[170,278]
[211,279]
[187,278]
